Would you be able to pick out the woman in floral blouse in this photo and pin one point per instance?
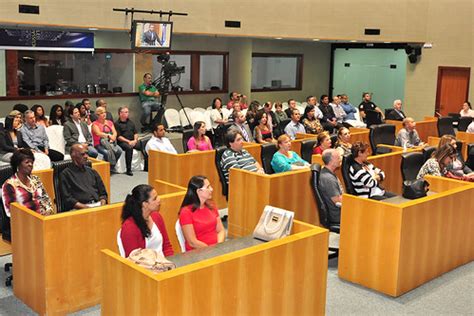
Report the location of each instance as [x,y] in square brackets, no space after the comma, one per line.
[436,166]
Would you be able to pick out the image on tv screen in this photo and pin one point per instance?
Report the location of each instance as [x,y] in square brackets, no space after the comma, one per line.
[152,34]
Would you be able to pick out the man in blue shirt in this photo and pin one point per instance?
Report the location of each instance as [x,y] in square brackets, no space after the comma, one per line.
[294,126]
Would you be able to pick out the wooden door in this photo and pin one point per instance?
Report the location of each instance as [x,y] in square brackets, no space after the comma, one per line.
[452,90]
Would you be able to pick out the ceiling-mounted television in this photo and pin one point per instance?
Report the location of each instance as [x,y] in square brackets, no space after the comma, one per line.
[151,35]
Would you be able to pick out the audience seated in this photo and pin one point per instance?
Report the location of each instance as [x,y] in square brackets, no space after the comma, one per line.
[10,138]
[311,100]
[351,112]
[286,160]
[338,110]
[199,141]
[235,156]
[251,115]
[86,115]
[467,110]
[22,108]
[310,121]
[240,124]
[76,131]
[457,167]
[34,135]
[329,120]
[236,97]
[324,142]
[329,185]
[67,105]
[291,106]
[438,163]
[198,217]
[396,113]
[127,136]
[364,176]
[39,113]
[368,105]
[294,126]
[218,117]
[272,121]
[25,188]
[159,142]
[142,224]
[57,116]
[101,103]
[279,113]
[104,136]
[343,144]
[80,185]
[262,132]
[408,137]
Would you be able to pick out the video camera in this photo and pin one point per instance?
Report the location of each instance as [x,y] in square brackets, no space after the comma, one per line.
[169,68]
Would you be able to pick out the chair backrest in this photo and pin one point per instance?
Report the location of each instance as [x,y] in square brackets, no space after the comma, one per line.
[322,208]
[428,152]
[445,126]
[307,149]
[381,134]
[184,117]
[208,120]
[464,123]
[267,152]
[142,145]
[56,138]
[411,165]
[219,152]
[372,118]
[199,109]
[187,134]
[333,140]
[5,173]
[282,125]
[120,244]
[180,235]
[346,163]
[196,116]
[172,118]
[470,156]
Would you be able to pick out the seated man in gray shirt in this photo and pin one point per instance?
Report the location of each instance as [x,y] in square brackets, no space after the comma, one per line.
[330,186]
[237,157]
[408,136]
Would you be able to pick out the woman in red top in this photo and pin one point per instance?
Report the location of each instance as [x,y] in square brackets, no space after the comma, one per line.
[142,225]
[324,142]
[199,219]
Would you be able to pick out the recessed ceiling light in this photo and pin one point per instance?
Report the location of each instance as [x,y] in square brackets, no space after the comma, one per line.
[387,42]
[278,37]
[315,39]
[353,41]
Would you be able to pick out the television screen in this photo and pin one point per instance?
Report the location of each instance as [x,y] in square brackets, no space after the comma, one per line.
[152,35]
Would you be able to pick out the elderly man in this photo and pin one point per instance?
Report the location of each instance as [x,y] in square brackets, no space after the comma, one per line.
[102,103]
[80,185]
[294,126]
[408,136]
[329,185]
[34,135]
[237,157]
[127,136]
[311,100]
[396,113]
[240,125]
[159,142]
[338,110]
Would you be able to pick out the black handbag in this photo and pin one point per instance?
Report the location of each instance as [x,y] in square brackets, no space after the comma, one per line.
[415,189]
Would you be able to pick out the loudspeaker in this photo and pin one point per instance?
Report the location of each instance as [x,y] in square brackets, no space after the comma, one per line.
[408,49]
[413,58]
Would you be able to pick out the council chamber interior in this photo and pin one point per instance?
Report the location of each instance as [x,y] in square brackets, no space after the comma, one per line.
[394,256]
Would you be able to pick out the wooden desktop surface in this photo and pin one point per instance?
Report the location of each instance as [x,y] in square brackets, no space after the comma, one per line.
[394,248]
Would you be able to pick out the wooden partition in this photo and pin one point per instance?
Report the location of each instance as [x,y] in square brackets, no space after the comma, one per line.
[56,258]
[394,248]
[468,138]
[281,277]
[425,128]
[252,191]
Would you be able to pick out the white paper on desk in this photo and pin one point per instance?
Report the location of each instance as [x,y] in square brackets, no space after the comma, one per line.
[93,204]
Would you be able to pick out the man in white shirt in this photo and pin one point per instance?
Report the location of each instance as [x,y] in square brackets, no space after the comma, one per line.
[338,110]
[311,100]
[159,142]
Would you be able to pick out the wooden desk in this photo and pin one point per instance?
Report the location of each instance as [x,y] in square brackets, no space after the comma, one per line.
[281,277]
[424,128]
[57,258]
[252,191]
[395,248]
[468,138]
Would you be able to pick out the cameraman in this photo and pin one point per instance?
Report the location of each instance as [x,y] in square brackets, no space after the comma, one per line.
[147,93]
[236,97]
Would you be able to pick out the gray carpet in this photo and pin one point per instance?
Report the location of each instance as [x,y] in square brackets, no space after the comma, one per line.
[450,294]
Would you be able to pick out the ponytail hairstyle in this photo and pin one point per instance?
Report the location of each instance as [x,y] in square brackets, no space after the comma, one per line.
[133,207]
[191,198]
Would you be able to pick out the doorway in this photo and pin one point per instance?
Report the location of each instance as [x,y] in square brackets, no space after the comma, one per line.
[452,89]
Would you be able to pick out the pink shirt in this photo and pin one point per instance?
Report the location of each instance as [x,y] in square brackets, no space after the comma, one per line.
[200,145]
[105,128]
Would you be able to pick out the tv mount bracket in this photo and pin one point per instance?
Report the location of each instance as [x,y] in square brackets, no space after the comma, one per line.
[160,12]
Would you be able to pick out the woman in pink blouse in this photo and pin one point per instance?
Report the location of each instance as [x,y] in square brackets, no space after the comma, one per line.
[199,141]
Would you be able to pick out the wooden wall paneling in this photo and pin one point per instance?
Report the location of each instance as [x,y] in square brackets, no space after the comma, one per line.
[390,163]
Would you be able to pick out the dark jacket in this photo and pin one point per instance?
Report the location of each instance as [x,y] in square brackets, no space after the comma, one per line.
[6,142]
[71,134]
[394,115]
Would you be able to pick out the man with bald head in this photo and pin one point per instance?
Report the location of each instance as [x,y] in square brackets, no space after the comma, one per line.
[408,136]
[80,185]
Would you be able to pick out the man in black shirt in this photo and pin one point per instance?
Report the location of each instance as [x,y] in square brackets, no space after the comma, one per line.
[80,185]
[127,136]
[368,105]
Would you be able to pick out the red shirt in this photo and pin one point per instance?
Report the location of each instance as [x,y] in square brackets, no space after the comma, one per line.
[317,150]
[204,221]
[230,105]
[132,237]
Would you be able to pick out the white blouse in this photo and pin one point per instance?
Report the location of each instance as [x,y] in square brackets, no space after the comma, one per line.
[155,241]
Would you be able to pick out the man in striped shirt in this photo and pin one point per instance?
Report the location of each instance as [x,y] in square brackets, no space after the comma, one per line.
[237,157]
[365,177]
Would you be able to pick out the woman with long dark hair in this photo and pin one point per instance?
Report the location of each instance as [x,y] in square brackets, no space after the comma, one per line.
[142,224]
[40,117]
[10,138]
[199,141]
[57,115]
[198,216]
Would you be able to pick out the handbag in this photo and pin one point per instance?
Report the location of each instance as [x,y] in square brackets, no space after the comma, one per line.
[414,189]
[151,260]
[274,223]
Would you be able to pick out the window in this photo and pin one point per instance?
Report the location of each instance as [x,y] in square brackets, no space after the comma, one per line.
[276,72]
[211,72]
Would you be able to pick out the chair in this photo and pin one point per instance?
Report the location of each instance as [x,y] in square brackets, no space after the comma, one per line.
[142,145]
[464,123]
[120,244]
[322,207]
[382,134]
[470,156]
[5,173]
[56,139]
[411,165]
[267,152]
[187,134]
[180,235]
[173,124]
[281,127]
[196,116]
[333,140]
[225,186]
[346,163]
[198,109]
[183,118]
[428,152]
[372,118]
[455,117]
[445,126]
[307,149]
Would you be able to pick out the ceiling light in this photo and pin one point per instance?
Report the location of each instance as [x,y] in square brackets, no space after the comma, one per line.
[353,41]
[278,38]
[315,39]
